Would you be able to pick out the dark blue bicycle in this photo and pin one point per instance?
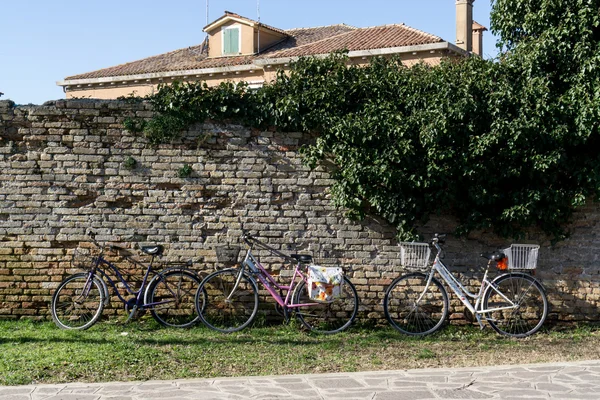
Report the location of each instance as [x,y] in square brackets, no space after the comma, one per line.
[168,294]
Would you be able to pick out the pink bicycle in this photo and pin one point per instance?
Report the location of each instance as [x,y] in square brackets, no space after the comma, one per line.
[227,300]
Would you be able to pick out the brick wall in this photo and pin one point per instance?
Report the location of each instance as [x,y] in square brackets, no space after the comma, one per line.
[67,166]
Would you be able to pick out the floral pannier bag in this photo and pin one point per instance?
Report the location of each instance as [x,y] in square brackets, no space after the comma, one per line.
[325,283]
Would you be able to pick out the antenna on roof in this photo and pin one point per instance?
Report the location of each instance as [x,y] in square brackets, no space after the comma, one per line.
[205,42]
[258,14]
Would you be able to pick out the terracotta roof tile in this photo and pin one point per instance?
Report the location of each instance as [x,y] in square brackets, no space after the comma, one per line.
[301,42]
[478,27]
[378,37]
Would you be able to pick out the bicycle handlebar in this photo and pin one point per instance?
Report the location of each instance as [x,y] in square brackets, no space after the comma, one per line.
[246,236]
[439,239]
[111,247]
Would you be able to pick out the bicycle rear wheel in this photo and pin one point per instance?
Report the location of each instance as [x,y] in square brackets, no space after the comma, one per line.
[327,318]
[528,310]
[78,302]
[224,306]
[172,292]
[414,308]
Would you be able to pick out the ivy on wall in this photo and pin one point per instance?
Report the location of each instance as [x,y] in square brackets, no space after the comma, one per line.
[505,144]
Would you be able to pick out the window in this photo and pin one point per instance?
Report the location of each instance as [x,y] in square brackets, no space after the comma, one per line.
[231,40]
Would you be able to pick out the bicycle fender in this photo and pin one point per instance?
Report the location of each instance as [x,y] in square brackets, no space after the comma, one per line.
[104,287]
[516,273]
[98,277]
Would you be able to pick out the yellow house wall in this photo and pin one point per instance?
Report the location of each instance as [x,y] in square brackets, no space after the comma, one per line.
[267,75]
[215,41]
[111,93]
[144,90]
[266,39]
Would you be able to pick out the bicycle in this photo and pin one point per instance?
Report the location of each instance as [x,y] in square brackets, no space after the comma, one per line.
[227,300]
[514,303]
[80,299]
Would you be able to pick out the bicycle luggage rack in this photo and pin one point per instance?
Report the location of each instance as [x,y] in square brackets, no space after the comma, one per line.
[414,255]
[522,256]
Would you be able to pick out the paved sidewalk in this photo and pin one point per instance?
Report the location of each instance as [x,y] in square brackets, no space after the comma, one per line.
[575,380]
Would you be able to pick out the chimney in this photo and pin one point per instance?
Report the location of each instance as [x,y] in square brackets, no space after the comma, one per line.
[478,30]
[464,24]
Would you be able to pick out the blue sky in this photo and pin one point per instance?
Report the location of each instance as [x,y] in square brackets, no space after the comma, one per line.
[45,41]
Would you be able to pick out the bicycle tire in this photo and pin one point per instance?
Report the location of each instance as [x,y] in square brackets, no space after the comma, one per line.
[402,312]
[219,308]
[529,296]
[69,310]
[175,291]
[327,318]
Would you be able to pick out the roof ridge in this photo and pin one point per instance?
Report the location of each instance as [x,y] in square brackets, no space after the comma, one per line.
[422,32]
[253,21]
[312,43]
[323,26]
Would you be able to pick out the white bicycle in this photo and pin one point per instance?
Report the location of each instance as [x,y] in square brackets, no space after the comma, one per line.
[514,303]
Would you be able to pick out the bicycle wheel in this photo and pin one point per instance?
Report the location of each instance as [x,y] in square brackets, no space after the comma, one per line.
[78,302]
[221,307]
[414,308]
[530,307]
[170,297]
[327,318]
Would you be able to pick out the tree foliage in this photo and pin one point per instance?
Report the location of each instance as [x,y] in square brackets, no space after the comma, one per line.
[505,144]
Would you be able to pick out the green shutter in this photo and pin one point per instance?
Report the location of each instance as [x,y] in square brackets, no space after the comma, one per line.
[231,41]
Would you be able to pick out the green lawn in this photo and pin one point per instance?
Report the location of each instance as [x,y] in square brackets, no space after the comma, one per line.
[41,353]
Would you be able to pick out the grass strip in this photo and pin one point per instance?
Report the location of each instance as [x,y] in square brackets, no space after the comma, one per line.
[34,352]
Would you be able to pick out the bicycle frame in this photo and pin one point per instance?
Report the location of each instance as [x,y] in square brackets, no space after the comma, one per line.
[100,266]
[258,270]
[462,293]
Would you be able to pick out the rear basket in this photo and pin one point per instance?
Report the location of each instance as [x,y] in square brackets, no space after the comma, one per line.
[415,255]
[325,283]
[522,256]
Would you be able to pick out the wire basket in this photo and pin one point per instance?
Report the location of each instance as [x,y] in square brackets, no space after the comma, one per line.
[227,255]
[522,256]
[84,258]
[415,255]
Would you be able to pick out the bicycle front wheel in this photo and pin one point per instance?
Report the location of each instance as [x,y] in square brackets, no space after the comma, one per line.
[171,298]
[78,302]
[327,318]
[224,304]
[518,305]
[415,308]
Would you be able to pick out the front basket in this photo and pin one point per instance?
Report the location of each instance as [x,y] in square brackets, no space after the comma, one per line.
[83,258]
[227,255]
[415,255]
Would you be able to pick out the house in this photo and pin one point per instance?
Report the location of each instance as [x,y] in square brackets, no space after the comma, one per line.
[241,49]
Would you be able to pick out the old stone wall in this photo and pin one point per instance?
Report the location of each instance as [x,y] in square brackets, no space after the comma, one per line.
[69,166]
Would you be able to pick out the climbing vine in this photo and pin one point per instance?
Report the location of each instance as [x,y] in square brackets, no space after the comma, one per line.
[505,144]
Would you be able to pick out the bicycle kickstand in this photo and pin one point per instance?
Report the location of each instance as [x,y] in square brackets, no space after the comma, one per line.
[478,317]
[131,313]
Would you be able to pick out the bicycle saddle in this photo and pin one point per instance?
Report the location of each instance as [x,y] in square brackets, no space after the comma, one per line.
[303,258]
[495,256]
[152,250]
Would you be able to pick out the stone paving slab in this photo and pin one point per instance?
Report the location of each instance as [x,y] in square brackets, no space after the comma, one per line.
[564,381]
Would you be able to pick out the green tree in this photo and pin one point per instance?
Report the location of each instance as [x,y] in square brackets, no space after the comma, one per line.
[505,144]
